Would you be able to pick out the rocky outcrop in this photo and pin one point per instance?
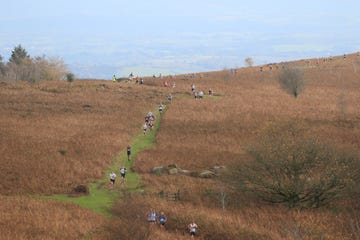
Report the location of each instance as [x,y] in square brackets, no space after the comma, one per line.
[173,169]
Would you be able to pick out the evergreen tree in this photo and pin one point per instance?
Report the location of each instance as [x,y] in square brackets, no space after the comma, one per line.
[18,55]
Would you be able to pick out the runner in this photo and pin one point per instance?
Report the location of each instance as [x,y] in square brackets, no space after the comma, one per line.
[145,128]
[162,220]
[112,178]
[192,228]
[152,216]
[160,108]
[123,173]
[151,125]
[128,150]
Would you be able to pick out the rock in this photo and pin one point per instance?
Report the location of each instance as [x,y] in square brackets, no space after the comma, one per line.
[173,171]
[218,169]
[159,170]
[184,172]
[206,174]
[172,166]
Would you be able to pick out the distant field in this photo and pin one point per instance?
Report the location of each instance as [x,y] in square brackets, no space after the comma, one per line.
[55,136]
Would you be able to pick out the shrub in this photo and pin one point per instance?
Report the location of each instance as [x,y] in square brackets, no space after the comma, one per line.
[292,81]
[287,167]
[70,77]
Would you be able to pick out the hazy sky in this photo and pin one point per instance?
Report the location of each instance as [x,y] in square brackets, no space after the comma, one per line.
[101,38]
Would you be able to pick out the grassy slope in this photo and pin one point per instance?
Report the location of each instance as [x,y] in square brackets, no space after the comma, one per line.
[258,100]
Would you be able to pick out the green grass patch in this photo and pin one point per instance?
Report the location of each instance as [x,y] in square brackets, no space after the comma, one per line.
[99,200]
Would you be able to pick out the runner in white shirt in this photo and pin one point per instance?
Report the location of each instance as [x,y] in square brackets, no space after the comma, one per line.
[112,178]
[192,227]
[145,128]
[123,173]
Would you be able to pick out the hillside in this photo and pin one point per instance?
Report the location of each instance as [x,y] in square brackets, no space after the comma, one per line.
[55,136]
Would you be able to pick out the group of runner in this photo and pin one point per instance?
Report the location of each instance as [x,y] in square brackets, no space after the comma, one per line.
[149,122]
[199,94]
[138,80]
[161,219]
[152,216]
[113,176]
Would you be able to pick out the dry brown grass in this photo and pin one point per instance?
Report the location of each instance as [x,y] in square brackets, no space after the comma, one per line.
[248,223]
[91,121]
[54,136]
[28,218]
[199,134]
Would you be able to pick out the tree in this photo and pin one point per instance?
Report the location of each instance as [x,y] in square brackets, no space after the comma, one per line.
[18,55]
[292,81]
[49,69]
[23,68]
[249,61]
[287,167]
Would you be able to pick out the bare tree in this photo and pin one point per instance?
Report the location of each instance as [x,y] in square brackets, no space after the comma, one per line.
[292,81]
[49,69]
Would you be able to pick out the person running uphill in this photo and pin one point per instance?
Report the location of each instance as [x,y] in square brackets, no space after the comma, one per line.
[128,150]
[161,107]
[152,216]
[192,228]
[123,173]
[112,178]
[162,220]
[144,128]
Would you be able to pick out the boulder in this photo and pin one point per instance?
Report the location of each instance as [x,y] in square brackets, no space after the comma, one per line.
[172,171]
[172,166]
[159,170]
[184,172]
[207,174]
[218,169]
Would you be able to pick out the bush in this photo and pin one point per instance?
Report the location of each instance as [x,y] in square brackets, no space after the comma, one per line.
[292,81]
[70,77]
[287,167]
